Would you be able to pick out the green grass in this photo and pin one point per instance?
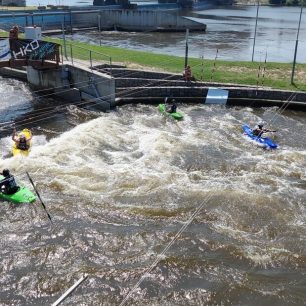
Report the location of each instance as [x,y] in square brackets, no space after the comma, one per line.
[274,75]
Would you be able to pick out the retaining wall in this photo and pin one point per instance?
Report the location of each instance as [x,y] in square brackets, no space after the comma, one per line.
[131,20]
[74,84]
[144,20]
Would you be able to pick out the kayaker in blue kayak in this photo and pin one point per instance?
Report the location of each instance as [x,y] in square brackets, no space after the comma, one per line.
[173,107]
[8,184]
[259,130]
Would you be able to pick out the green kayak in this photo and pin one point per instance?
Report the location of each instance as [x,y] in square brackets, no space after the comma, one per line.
[23,195]
[177,115]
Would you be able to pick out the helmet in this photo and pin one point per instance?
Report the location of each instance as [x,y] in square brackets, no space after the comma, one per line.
[6,172]
[260,125]
[22,136]
[173,101]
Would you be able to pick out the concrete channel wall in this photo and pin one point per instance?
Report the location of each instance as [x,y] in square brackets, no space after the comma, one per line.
[78,83]
[152,87]
[114,18]
[74,83]
[144,20]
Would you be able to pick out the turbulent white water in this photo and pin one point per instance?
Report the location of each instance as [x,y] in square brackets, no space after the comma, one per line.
[120,185]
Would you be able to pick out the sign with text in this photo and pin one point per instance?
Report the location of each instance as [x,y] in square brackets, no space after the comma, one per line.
[28,49]
[33,49]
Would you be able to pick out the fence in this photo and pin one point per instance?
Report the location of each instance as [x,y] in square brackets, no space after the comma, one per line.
[91,58]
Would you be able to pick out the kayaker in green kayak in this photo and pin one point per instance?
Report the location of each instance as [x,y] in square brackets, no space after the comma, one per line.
[172,109]
[8,184]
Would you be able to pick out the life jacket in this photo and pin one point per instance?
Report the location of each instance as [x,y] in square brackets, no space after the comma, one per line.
[173,109]
[257,132]
[22,144]
[10,185]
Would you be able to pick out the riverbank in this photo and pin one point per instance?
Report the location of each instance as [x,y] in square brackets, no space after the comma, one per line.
[274,75]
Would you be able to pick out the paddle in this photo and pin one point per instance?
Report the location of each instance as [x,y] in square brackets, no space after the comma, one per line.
[268,131]
[166,99]
[42,203]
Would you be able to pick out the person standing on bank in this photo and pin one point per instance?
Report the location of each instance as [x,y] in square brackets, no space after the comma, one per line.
[187,74]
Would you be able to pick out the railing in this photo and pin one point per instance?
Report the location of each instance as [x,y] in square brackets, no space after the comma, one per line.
[76,54]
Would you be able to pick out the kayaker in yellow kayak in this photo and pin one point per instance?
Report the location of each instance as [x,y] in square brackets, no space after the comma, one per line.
[21,141]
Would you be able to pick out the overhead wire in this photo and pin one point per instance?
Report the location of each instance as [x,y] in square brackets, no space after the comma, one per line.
[40,113]
[125,93]
[168,246]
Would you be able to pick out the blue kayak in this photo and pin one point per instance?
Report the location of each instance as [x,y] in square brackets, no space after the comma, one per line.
[266,143]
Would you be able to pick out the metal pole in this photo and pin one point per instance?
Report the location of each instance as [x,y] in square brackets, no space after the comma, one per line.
[64,39]
[58,301]
[90,58]
[186,48]
[296,43]
[255,30]
[71,22]
[99,26]
[71,54]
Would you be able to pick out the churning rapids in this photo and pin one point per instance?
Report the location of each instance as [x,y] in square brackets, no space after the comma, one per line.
[120,185]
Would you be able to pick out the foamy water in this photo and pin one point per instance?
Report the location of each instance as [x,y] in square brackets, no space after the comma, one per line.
[120,185]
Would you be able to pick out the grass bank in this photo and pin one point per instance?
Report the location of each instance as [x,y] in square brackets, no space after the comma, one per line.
[274,75]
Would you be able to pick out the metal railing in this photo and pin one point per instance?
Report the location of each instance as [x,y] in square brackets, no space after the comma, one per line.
[76,53]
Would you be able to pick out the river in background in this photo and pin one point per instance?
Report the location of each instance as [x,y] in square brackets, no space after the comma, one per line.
[229,30]
[120,185]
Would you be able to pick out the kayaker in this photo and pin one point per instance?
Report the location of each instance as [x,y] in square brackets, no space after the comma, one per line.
[21,141]
[173,107]
[8,184]
[259,130]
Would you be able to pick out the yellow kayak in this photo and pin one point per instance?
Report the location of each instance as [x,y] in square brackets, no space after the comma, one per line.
[27,133]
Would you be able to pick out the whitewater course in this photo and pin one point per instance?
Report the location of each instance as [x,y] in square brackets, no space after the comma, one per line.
[120,186]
